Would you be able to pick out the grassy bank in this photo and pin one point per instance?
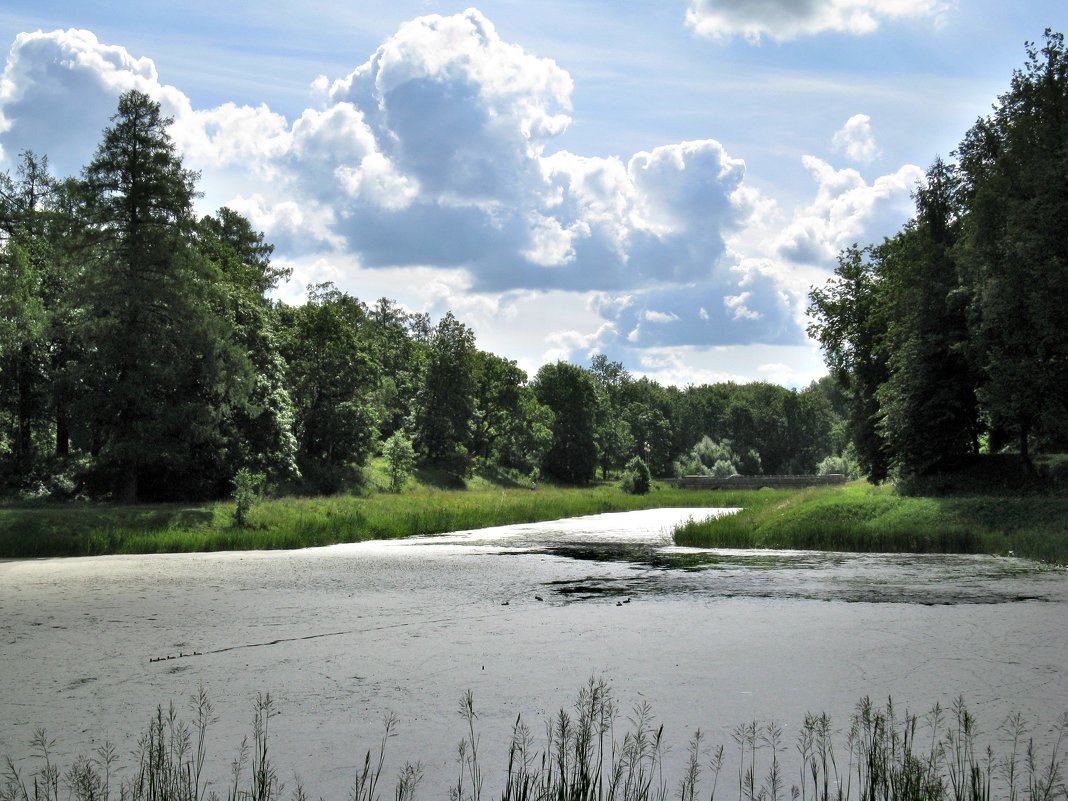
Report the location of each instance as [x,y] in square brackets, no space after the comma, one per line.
[857,517]
[72,529]
[860,517]
[884,755]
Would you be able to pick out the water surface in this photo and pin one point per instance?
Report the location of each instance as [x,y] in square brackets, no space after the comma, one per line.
[522,615]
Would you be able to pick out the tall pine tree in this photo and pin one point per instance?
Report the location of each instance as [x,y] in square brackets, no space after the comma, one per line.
[161,370]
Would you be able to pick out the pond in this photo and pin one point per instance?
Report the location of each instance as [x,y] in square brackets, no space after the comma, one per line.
[522,616]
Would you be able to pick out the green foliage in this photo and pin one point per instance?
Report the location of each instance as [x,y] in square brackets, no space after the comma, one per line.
[35,320]
[527,435]
[636,478]
[849,321]
[718,459]
[330,373]
[22,352]
[955,331]
[446,403]
[400,459]
[810,431]
[1015,256]
[930,418]
[768,428]
[163,366]
[498,401]
[612,431]
[651,433]
[614,442]
[571,395]
[247,488]
[839,464]
[260,430]
[401,359]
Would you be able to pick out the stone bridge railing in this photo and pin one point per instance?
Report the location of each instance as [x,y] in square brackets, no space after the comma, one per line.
[755,482]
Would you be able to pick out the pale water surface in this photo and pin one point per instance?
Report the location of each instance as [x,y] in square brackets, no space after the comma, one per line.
[342,635]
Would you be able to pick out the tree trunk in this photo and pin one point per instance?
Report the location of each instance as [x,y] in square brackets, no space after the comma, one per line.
[1025,450]
[62,435]
[128,490]
[24,442]
[62,428]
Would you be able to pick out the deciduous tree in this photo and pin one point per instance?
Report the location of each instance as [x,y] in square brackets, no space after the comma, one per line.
[1015,166]
[849,322]
[446,403]
[570,393]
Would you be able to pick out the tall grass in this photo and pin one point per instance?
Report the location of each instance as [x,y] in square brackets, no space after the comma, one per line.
[92,529]
[875,519]
[856,517]
[882,754]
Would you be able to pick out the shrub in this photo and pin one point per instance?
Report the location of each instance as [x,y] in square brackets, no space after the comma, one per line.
[718,459]
[832,465]
[247,487]
[400,459]
[636,477]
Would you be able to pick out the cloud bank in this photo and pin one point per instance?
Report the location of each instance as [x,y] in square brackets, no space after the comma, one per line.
[432,165]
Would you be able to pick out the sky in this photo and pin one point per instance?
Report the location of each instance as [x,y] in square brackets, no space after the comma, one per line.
[660,181]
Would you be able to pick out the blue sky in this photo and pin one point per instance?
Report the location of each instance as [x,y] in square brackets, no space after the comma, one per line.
[658,181]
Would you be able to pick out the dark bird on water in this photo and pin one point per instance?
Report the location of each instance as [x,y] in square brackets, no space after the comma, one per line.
[538,598]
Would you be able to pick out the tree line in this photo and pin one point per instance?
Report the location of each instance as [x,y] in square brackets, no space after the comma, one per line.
[142,358]
[951,337]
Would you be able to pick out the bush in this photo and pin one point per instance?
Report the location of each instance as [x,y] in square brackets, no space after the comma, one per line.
[636,477]
[841,465]
[246,492]
[717,459]
[458,463]
[1054,470]
[400,459]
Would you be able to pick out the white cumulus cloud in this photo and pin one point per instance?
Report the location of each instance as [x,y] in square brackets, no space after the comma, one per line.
[59,89]
[846,209]
[782,20]
[857,140]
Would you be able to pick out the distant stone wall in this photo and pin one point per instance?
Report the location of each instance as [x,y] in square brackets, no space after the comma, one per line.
[756,482]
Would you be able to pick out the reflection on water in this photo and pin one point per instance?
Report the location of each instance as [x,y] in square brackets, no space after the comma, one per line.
[642,542]
[854,578]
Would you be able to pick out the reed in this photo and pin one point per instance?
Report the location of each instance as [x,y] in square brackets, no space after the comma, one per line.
[856,517]
[862,518]
[883,755]
[279,523]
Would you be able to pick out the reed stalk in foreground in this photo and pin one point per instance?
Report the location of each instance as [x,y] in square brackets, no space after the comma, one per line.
[882,756]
